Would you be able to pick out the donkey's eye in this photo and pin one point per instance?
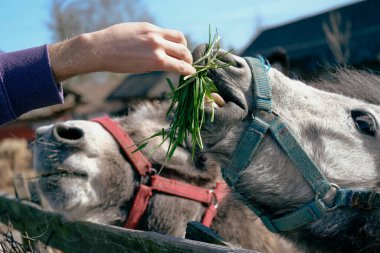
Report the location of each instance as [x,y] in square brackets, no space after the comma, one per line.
[365,122]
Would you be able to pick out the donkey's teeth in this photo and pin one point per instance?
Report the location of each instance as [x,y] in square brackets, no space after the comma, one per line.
[215,101]
[210,102]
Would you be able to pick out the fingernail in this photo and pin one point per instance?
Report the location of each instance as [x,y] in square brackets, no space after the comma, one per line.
[192,70]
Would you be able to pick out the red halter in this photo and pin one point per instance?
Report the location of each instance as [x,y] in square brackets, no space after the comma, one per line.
[209,197]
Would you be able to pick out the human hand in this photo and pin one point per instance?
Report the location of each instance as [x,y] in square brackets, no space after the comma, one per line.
[126,47]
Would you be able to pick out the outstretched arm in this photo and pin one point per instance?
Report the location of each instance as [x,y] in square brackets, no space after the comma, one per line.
[122,48]
[29,79]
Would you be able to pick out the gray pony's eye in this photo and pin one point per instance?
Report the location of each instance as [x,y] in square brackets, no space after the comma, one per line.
[365,122]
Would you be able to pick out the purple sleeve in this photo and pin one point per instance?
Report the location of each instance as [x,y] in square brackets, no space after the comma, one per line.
[26,83]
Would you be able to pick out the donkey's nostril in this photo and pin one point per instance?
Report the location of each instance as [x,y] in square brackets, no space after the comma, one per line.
[67,133]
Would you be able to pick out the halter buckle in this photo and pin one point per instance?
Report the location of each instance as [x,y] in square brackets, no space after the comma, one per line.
[146,179]
[214,199]
[331,194]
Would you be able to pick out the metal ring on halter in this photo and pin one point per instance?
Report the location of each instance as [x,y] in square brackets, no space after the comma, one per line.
[146,180]
[317,197]
[152,171]
[215,199]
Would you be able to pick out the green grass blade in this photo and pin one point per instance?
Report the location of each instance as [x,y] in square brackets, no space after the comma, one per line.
[187,105]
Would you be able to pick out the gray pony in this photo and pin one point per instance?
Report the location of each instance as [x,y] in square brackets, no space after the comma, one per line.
[336,128]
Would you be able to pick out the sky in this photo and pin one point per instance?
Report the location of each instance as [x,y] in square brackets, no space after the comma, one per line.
[23,23]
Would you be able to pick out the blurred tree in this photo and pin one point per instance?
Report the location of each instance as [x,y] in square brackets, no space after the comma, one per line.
[338,36]
[73,17]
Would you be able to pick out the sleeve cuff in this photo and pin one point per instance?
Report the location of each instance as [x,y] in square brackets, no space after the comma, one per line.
[28,81]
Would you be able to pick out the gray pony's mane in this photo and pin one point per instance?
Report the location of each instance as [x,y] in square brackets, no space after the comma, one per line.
[352,83]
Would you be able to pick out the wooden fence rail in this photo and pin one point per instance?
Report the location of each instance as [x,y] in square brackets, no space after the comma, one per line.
[52,229]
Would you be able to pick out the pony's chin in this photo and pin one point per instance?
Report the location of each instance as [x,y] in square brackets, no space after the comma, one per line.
[62,193]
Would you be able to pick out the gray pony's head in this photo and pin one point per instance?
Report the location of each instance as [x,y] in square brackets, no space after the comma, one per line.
[339,133]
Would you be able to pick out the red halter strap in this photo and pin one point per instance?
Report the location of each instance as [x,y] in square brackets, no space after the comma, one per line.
[209,197]
[138,160]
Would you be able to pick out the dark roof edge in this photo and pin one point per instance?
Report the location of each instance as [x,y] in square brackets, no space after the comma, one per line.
[270,27]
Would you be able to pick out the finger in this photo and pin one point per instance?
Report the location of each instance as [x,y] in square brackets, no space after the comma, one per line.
[181,67]
[174,36]
[178,51]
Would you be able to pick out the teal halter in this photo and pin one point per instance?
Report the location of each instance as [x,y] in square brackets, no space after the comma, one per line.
[266,122]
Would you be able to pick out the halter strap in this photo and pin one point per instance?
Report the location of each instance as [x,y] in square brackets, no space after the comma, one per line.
[245,150]
[142,165]
[261,88]
[209,197]
[266,122]
[259,127]
[310,172]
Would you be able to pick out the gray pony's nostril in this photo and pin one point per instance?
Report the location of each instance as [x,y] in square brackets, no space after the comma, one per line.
[66,133]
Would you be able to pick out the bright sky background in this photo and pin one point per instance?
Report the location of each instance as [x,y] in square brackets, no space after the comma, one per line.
[23,23]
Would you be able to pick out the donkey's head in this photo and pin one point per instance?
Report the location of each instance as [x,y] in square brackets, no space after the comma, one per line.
[339,134]
[84,175]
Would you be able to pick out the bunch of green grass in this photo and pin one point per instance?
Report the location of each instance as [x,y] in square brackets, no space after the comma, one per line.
[188,99]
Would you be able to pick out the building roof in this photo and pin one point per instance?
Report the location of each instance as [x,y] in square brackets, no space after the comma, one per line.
[306,39]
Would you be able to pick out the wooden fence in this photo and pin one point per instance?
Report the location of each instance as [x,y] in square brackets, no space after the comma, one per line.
[54,230]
